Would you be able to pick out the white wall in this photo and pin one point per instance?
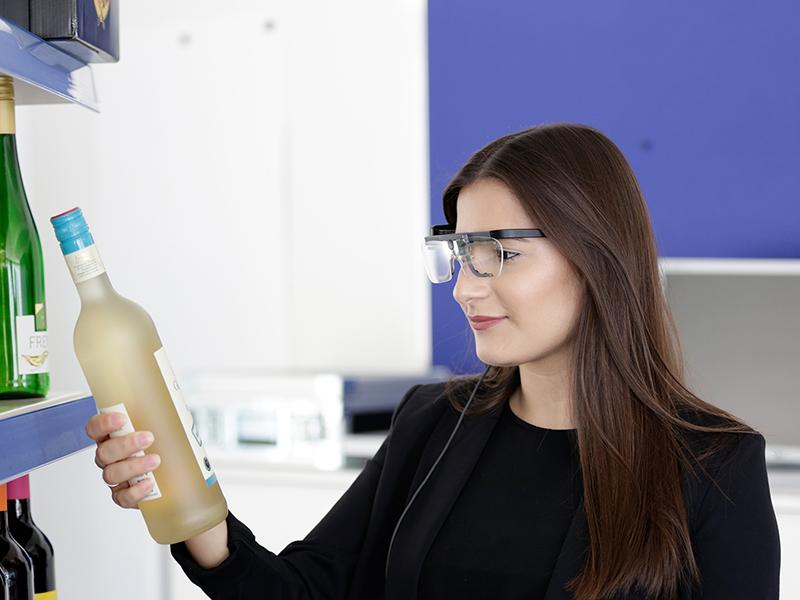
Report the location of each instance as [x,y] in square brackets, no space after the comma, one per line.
[257,180]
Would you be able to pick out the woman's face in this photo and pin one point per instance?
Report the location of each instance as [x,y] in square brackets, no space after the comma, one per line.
[538,292]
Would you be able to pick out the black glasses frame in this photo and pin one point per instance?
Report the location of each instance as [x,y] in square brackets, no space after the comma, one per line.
[447,233]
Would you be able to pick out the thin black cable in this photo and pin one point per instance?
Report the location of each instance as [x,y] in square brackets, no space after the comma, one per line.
[460,418]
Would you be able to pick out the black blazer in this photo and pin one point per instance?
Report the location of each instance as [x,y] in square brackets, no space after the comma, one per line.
[736,544]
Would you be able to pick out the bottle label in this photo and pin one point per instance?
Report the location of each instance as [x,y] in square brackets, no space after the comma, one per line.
[127,428]
[85,263]
[46,596]
[186,417]
[31,347]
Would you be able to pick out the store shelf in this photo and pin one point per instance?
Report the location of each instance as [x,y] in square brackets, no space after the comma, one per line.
[43,74]
[37,431]
[729,266]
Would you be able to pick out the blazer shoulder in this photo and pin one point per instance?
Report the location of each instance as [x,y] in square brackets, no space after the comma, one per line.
[731,446]
[720,461]
[422,399]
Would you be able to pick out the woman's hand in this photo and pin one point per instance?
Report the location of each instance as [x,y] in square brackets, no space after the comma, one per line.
[114,457]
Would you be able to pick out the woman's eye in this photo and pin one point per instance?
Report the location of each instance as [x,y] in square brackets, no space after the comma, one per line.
[508,255]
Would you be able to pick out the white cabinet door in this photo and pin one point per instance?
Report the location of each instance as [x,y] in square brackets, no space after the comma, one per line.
[787,511]
[278,507]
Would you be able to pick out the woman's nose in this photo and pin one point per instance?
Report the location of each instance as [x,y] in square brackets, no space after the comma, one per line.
[469,286]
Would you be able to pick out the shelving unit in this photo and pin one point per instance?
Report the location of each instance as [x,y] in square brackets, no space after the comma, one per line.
[730,266]
[37,431]
[669,266]
[44,74]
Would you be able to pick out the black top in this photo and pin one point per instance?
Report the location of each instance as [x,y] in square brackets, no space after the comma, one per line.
[733,526]
[504,532]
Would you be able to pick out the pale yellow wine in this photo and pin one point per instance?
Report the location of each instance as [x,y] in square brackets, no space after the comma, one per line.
[127,370]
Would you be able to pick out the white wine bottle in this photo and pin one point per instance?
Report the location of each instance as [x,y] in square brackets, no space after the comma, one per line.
[127,370]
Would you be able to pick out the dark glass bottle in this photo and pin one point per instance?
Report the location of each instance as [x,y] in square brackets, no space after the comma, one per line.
[24,367]
[16,567]
[31,538]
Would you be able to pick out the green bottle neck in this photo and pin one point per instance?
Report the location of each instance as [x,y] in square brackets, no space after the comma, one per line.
[13,200]
[9,163]
[8,123]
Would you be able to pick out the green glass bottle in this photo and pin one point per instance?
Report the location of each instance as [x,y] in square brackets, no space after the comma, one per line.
[24,369]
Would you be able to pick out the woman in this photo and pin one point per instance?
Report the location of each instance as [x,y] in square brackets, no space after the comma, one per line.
[577,466]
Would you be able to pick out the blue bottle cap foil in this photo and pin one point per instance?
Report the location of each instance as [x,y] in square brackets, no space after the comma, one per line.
[72,231]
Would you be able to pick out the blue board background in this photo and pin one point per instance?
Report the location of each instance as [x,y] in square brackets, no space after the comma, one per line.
[702,98]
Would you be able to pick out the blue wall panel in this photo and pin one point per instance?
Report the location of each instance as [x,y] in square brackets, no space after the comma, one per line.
[702,98]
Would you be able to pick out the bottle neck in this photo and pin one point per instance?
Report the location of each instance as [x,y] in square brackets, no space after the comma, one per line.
[8,123]
[3,509]
[20,509]
[88,272]
[4,531]
[10,175]
[96,289]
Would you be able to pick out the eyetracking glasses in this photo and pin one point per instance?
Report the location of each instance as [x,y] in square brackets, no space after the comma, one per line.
[480,250]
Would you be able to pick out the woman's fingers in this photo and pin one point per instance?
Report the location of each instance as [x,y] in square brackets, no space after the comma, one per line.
[120,448]
[125,470]
[117,457]
[129,497]
[100,426]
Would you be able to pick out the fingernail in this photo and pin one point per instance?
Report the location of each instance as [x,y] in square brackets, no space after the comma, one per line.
[144,438]
[152,460]
[117,420]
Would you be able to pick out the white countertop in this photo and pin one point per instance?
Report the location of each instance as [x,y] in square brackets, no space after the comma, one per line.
[784,481]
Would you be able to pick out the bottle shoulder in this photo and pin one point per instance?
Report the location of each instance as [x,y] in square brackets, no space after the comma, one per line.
[30,537]
[11,550]
[111,314]
[110,300]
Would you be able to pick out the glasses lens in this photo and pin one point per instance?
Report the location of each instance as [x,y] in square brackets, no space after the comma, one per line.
[484,256]
[438,261]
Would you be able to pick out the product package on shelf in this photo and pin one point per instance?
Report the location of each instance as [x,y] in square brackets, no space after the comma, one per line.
[86,29]
[17,11]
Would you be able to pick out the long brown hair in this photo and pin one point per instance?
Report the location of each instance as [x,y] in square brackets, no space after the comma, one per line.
[629,399]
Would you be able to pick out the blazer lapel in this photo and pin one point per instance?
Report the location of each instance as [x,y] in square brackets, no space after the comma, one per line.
[424,519]
[571,557]
[434,501]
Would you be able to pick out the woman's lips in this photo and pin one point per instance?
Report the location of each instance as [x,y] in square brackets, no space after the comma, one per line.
[480,325]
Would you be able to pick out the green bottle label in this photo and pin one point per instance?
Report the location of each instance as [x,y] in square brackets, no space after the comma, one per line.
[32,355]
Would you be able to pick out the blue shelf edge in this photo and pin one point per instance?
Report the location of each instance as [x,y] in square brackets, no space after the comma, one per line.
[43,72]
[32,440]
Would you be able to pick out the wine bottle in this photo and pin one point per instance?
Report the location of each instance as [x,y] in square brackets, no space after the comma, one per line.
[16,567]
[24,369]
[128,372]
[32,539]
